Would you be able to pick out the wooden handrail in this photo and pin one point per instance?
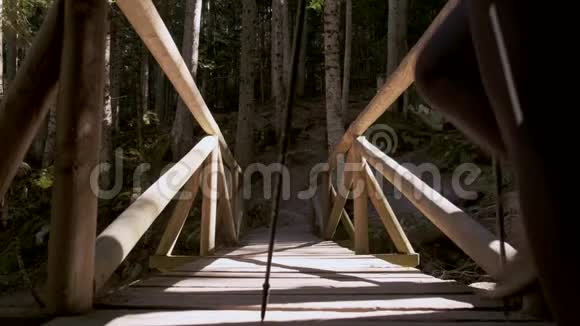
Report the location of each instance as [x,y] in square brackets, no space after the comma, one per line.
[397,83]
[147,22]
[476,241]
[118,239]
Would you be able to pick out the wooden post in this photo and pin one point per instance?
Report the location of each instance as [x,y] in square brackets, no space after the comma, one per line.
[325,204]
[74,206]
[225,199]
[25,104]
[238,201]
[209,204]
[361,209]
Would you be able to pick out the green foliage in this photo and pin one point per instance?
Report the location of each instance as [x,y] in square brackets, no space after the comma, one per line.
[25,17]
[45,179]
[316,5]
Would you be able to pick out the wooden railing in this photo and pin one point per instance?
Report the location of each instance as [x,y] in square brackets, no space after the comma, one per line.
[209,167]
[80,263]
[476,241]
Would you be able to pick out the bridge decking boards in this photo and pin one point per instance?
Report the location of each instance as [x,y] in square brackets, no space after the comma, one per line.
[312,281]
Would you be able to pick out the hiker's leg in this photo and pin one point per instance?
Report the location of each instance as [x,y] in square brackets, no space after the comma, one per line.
[504,34]
[447,76]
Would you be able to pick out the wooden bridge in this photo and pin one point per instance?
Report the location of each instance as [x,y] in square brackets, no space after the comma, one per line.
[314,280]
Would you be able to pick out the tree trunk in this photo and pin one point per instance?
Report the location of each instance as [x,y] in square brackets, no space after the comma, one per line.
[262,56]
[48,157]
[1,48]
[182,131]
[160,80]
[115,69]
[245,128]
[144,92]
[301,78]
[11,41]
[36,151]
[106,155]
[396,36]
[277,58]
[286,37]
[335,125]
[347,60]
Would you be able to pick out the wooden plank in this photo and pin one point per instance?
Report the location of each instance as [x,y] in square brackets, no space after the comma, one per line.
[387,214]
[312,286]
[225,199]
[145,19]
[361,209]
[209,204]
[26,102]
[289,264]
[152,298]
[378,276]
[397,83]
[476,241]
[404,260]
[242,318]
[179,215]
[78,139]
[118,239]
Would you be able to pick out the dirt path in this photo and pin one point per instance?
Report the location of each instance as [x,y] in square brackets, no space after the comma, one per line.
[307,149]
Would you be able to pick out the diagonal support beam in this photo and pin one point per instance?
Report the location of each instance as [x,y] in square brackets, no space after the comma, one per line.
[338,206]
[476,241]
[387,214]
[179,216]
[344,218]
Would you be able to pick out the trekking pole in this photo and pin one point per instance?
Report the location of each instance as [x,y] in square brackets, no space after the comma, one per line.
[283,148]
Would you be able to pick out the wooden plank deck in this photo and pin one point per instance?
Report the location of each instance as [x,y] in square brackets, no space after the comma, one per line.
[312,281]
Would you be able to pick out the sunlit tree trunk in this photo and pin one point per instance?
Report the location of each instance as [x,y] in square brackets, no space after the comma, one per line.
[277,66]
[396,36]
[335,127]
[115,69]
[160,80]
[245,128]
[106,173]
[182,131]
[347,60]
[301,78]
